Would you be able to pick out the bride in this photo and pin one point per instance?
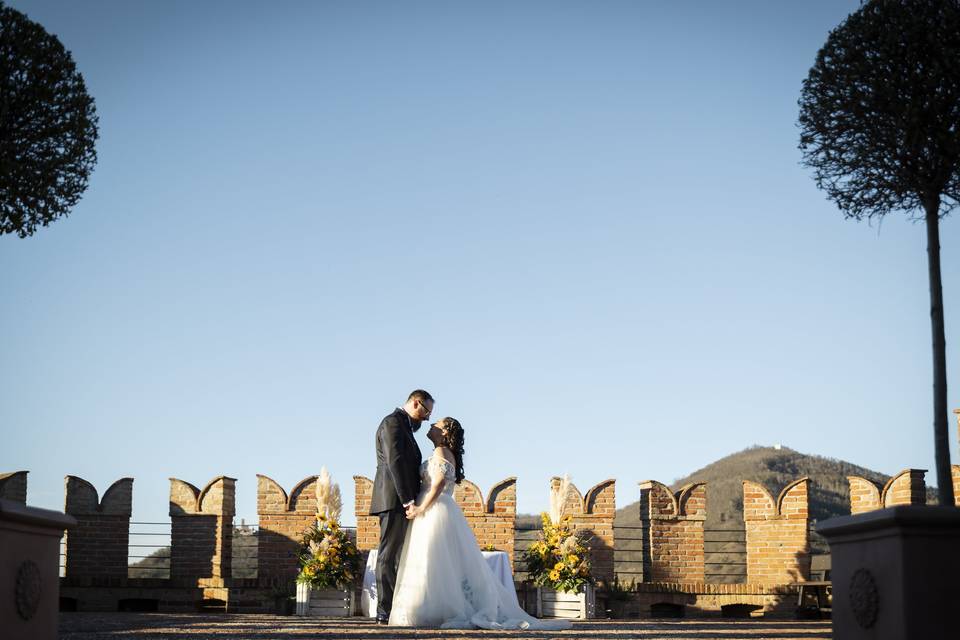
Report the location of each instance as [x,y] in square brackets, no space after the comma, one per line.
[443,580]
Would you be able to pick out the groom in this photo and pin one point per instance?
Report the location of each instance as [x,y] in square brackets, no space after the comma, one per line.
[395,489]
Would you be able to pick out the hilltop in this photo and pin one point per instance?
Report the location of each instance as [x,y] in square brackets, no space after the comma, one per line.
[774,468]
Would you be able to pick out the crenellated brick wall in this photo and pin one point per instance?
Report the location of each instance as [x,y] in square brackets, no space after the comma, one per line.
[368,526]
[283,521]
[907,487]
[201,532]
[13,486]
[778,547]
[201,551]
[594,513]
[673,548]
[96,549]
[492,520]
[955,472]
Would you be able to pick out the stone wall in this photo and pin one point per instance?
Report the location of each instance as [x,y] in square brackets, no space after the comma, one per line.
[492,519]
[13,486]
[709,600]
[368,526]
[777,532]
[673,549]
[97,547]
[777,545]
[907,487]
[283,521]
[201,533]
[593,514]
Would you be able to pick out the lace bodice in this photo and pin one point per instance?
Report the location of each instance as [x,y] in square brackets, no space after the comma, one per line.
[435,466]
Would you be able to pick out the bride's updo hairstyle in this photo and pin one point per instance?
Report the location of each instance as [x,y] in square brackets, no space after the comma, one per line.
[452,439]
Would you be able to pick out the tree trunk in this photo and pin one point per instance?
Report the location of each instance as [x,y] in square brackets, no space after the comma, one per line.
[940,417]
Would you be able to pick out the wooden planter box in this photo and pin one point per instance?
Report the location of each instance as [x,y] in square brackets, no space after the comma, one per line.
[556,604]
[329,603]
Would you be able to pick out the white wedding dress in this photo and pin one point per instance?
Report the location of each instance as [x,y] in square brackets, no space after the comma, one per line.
[443,580]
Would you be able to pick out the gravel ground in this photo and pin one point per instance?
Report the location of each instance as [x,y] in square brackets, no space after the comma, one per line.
[157,626]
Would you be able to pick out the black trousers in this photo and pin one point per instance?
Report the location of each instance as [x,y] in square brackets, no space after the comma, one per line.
[393,529]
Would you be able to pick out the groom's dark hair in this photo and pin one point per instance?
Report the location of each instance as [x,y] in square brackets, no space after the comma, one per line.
[420,395]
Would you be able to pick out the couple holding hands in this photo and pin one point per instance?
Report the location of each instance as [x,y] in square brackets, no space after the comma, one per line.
[430,572]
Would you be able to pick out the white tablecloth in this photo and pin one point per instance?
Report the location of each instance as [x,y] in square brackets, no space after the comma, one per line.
[498,561]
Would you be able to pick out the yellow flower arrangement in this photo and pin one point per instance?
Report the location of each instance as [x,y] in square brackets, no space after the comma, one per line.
[559,559]
[328,557]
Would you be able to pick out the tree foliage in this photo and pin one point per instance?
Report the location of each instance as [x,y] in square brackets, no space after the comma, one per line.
[48,127]
[880,109]
[880,127]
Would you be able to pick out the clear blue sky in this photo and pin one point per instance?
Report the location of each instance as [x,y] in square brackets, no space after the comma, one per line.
[582,226]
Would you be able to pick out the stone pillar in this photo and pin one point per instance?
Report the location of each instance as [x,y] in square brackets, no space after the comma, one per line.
[283,521]
[894,573]
[907,487]
[778,548]
[368,526]
[29,570]
[672,525]
[594,514]
[201,532]
[493,520]
[97,547]
[13,486]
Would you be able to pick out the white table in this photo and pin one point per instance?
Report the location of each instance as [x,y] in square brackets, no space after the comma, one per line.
[498,561]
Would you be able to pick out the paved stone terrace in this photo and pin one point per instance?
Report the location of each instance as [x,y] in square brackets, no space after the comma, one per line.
[157,626]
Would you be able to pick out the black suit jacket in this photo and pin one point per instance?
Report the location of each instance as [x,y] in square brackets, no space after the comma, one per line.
[398,464]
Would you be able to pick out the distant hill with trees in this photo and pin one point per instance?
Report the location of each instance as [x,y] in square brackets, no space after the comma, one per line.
[724,542]
[774,468]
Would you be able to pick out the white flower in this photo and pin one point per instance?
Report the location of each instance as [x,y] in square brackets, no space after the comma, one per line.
[558,499]
[329,501]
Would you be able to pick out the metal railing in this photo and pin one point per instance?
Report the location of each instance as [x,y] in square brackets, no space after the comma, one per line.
[149,550]
[725,552]
[148,553]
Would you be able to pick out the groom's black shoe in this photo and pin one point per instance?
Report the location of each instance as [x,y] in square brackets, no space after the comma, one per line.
[383,621]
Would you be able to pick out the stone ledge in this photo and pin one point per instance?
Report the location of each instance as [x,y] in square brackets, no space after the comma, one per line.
[700,588]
